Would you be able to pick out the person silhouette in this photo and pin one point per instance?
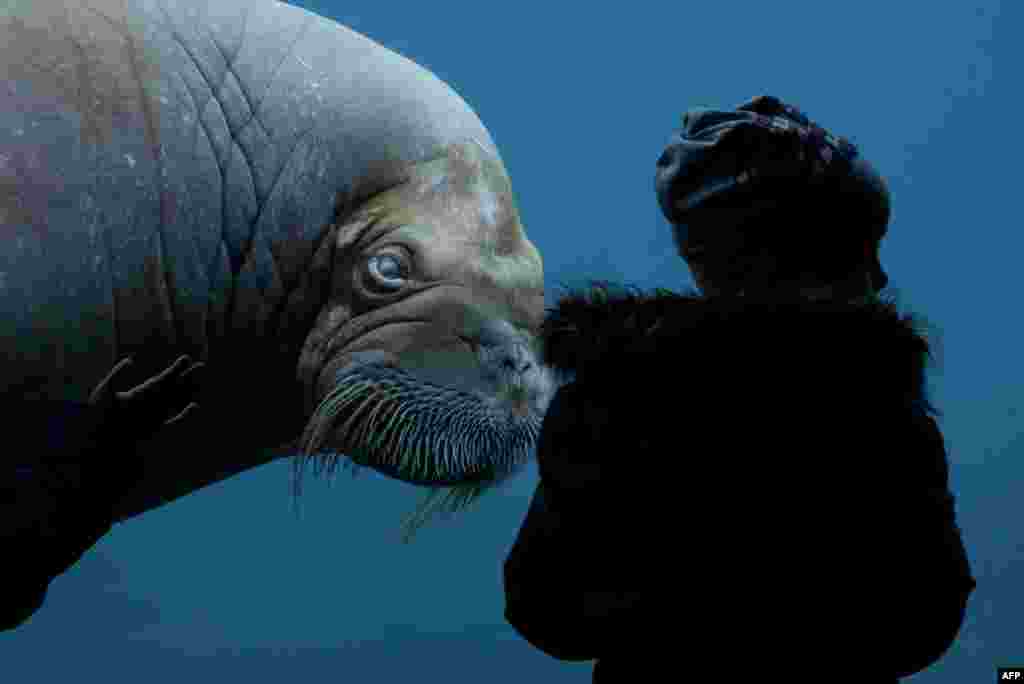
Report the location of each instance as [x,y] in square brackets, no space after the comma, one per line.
[751,476]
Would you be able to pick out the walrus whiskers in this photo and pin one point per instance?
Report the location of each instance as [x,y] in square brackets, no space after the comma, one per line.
[422,433]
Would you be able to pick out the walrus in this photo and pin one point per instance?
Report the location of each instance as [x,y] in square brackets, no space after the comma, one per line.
[323,223]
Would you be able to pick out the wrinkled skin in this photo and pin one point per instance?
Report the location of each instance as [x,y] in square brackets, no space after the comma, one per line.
[322,222]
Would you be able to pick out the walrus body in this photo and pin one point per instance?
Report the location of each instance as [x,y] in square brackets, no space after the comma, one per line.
[280,197]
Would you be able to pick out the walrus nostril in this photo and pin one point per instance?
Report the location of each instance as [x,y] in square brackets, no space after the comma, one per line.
[518,366]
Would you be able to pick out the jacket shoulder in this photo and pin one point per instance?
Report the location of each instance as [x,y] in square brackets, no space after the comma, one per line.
[624,335]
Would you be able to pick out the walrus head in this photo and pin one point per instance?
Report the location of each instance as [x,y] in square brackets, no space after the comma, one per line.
[424,365]
[320,220]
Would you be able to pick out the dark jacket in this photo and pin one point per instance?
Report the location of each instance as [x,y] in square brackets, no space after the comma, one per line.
[739,483]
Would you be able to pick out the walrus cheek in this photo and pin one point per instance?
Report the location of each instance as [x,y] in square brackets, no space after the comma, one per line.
[348,361]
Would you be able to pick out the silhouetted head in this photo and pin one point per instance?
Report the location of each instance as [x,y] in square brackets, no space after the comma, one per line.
[761,195]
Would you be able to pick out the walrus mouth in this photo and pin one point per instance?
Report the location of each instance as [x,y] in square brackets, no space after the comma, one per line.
[405,427]
[419,432]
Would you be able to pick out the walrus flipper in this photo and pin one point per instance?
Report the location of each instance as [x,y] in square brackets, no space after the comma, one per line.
[50,518]
[66,467]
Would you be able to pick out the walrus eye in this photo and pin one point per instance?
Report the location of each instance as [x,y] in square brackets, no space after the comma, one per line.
[387,270]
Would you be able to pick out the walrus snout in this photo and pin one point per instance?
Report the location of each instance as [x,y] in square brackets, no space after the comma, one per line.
[506,352]
[467,412]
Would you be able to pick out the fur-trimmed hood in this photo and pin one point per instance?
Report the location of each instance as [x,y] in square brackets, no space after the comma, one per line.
[873,347]
[744,456]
